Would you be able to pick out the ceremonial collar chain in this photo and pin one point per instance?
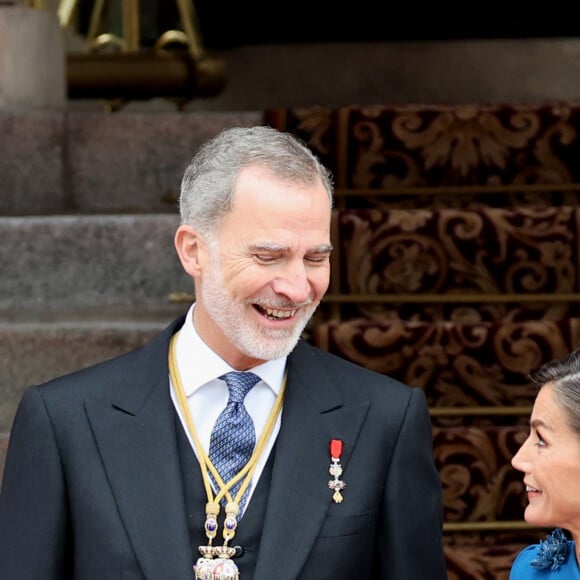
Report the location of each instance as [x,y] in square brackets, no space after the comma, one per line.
[218,558]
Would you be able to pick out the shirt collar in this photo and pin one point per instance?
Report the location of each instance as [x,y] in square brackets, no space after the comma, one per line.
[198,364]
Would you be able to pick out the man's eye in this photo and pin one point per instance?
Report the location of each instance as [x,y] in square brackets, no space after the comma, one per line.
[318,259]
[265,258]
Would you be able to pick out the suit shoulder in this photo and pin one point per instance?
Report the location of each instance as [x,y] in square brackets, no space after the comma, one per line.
[130,366]
[348,371]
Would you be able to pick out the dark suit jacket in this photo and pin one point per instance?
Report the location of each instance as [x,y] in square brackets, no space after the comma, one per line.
[92,487]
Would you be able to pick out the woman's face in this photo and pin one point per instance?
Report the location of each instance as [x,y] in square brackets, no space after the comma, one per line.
[550,461]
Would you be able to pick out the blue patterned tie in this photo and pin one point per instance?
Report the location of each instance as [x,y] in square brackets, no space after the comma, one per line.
[233,437]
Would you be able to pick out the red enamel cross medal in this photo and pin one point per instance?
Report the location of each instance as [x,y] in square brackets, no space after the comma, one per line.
[335,469]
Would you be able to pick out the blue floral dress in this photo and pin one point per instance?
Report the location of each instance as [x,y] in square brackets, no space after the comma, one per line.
[552,558]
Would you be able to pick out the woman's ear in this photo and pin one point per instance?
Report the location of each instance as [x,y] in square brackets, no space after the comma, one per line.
[188,244]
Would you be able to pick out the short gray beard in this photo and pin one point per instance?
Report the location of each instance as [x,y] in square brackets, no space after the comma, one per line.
[231,317]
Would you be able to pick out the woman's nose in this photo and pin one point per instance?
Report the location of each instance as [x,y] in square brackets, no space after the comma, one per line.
[519,459]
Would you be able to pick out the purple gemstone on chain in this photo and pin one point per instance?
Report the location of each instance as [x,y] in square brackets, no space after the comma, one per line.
[230,523]
[211,525]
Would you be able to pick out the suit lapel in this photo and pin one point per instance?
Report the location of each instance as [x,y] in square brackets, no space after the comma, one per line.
[299,498]
[135,432]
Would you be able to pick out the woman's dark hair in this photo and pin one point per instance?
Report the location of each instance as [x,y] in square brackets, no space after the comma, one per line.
[563,375]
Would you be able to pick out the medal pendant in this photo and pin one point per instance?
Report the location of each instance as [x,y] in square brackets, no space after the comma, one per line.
[216,568]
[335,470]
[336,484]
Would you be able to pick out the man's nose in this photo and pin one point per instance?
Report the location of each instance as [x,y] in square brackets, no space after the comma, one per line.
[294,284]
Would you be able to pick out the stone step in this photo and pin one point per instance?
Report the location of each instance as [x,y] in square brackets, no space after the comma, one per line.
[75,290]
[94,162]
[72,263]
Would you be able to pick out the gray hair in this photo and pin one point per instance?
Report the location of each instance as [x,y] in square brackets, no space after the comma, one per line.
[209,181]
[564,376]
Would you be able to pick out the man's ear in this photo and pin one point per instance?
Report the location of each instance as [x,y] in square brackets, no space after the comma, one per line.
[188,244]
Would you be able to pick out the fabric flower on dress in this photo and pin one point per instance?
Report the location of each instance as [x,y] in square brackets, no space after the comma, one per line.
[553,551]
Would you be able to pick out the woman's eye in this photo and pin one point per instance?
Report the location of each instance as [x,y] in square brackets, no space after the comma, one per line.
[540,441]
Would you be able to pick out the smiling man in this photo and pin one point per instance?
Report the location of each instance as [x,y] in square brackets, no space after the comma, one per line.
[229,447]
[262,267]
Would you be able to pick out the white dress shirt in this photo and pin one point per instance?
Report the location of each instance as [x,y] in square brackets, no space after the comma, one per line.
[199,368]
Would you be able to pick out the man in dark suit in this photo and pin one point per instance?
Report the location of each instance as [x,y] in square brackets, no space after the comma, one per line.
[115,472]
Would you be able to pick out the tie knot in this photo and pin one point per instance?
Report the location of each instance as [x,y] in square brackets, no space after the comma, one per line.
[239,384]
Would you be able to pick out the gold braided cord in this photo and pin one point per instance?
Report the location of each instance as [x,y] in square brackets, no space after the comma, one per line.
[205,462]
